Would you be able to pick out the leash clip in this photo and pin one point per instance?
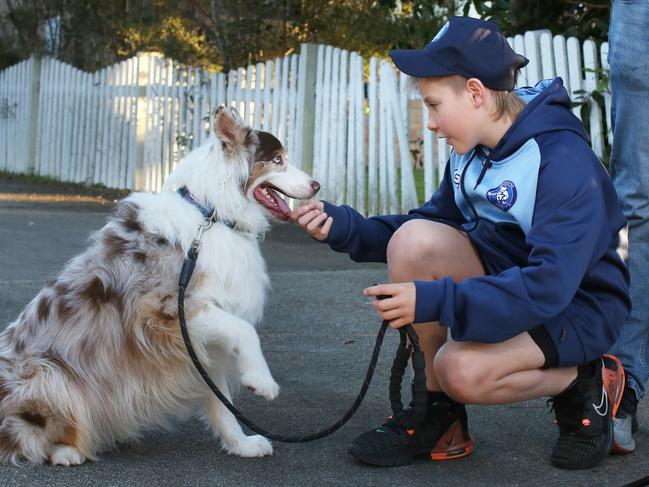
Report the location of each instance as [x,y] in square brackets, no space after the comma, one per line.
[205,225]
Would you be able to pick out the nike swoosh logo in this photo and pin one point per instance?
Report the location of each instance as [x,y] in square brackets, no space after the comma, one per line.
[603,402]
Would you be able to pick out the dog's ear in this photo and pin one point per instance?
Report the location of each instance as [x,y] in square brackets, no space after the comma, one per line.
[229,127]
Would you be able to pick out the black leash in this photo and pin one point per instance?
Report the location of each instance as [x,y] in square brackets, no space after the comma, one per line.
[419,392]
[644,481]
[398,368]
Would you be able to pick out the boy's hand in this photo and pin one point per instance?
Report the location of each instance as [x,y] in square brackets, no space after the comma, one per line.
[313,219]
[399,307]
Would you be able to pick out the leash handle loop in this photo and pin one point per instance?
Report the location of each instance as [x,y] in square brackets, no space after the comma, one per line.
[396,376]
[419,391]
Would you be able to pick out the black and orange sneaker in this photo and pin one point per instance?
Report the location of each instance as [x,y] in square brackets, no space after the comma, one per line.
[585,412]
[443,435]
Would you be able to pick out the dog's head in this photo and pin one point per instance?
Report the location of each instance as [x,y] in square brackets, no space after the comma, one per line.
[268,175]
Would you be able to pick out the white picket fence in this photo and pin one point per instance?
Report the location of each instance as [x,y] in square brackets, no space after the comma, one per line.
[128,125]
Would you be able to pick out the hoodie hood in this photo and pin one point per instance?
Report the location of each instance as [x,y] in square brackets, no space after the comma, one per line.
[548,109]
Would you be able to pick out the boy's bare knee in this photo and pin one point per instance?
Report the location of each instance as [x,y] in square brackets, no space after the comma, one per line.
[460,375]
[423,249]
[412,242]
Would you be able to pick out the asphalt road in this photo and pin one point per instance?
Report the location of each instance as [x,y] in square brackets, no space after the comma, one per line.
[317,335]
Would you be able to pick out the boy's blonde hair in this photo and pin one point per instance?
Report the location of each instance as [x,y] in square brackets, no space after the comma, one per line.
[507,103]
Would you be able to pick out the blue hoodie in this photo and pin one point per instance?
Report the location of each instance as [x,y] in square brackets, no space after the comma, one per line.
[542,212]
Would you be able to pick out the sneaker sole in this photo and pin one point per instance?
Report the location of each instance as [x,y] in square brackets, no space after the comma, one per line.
[451,445]
[398,460]
[623,449]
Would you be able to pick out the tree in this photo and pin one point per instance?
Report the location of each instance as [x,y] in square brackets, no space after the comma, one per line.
[95,33]
[218,34]
[225,34]
[582,19]
[247,31]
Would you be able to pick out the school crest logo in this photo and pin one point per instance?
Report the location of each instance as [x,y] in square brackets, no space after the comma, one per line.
[503,196]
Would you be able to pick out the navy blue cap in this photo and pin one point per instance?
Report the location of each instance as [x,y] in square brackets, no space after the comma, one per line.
[466,46]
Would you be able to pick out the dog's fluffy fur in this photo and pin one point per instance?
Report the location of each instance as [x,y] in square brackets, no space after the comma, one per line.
[96,357]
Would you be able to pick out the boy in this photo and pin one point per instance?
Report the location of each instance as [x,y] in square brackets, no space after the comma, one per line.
[517,255]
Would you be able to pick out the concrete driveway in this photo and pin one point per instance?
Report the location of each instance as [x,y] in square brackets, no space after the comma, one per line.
[317,335]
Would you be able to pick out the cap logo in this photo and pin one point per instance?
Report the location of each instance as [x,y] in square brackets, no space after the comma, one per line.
[504,196]
[441,32]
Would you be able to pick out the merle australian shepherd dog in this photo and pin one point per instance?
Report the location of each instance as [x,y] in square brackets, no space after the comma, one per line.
[97,356]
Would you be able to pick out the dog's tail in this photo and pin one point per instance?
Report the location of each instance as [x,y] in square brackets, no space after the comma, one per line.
[30,430]
[20,421]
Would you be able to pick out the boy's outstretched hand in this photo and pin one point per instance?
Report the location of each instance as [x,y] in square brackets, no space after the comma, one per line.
[399,307]
[313,219]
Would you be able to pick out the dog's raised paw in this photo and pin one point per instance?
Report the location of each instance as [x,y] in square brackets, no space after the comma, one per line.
[260,384]
[251,446]
[66,455]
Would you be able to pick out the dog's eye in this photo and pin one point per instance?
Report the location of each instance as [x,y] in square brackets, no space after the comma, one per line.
[277,159]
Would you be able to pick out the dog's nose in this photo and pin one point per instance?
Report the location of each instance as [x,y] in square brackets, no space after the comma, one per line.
[315,185]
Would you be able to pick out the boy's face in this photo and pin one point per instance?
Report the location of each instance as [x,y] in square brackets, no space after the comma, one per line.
[451,113]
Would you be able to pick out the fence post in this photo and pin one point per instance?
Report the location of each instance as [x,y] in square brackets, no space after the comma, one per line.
[144,64]
[306,101]
[33,114]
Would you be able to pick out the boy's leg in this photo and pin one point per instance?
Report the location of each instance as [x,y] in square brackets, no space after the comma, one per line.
[498,373]
[426,250]
[422,249]
[585,398]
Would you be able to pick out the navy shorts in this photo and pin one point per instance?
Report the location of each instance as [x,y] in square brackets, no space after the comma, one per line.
[564,339]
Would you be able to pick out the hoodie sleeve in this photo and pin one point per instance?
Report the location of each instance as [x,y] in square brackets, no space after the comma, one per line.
[366,239]
[570,232]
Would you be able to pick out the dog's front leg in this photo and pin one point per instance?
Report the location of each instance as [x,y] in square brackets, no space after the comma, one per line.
[226,426]
[216,326]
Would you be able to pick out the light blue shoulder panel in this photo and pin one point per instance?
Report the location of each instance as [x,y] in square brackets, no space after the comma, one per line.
[507,192]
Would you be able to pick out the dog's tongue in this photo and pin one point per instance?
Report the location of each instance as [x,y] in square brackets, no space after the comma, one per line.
[282,207]
[273,202]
